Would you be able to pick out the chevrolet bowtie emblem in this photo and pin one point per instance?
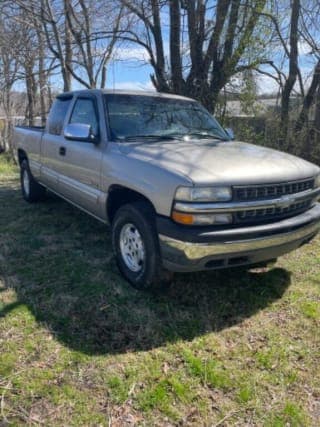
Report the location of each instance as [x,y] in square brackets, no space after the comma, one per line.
[285,202]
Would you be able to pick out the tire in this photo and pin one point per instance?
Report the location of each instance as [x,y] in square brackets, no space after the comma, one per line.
[32,191]
[136,247]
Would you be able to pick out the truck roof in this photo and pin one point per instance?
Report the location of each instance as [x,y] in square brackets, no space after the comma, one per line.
[125,92]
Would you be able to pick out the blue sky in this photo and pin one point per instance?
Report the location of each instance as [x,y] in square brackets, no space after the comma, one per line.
[124,74]
[130,69]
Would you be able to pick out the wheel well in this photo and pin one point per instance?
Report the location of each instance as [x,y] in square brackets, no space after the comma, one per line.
[22,155]
[119,196]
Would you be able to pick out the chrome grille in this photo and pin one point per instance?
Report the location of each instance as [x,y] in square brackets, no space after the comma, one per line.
[272,213]
[268,191]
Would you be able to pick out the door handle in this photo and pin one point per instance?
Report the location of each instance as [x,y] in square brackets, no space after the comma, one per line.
[62,151]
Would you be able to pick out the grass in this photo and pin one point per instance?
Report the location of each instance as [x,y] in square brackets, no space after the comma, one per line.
[79,346]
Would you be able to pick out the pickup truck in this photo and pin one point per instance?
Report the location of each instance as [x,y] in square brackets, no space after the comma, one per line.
[179,192]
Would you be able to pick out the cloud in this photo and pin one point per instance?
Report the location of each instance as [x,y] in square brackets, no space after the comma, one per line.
[131,54]
[136,53]
[304,48]
[266,85]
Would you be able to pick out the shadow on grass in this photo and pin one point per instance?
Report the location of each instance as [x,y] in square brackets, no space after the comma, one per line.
[59,262]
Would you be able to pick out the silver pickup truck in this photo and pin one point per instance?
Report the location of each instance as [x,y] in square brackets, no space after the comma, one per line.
[179,192]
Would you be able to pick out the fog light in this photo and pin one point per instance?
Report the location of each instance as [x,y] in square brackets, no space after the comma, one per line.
[208,219]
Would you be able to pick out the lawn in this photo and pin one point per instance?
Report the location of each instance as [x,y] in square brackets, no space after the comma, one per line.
[79,346]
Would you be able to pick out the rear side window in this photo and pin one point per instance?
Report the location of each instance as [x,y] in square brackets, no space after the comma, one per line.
[57,115]
[84,112]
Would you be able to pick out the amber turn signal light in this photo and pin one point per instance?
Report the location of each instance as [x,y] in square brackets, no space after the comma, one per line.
[182,218]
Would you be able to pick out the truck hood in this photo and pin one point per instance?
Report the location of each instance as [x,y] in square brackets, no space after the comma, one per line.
[210,162]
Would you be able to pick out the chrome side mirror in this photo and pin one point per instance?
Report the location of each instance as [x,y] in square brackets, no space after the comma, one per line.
[230,133]
[79,132]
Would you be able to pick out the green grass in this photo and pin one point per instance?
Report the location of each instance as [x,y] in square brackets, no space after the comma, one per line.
[79,346]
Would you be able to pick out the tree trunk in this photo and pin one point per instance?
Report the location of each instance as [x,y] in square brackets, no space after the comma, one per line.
[68,53]
[317,119]
[293,71]
[30,95]
[175,52]
[42,74]
[309,99]
[159,66]
[7,133]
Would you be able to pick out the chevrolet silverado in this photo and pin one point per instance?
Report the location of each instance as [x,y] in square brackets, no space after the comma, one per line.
[179,192]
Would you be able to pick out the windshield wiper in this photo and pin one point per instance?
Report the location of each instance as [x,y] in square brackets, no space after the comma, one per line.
[206,135]
[169,137]
[137,137]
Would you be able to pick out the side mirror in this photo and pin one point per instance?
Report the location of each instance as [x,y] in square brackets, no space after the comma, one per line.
[79,132]
[230,133]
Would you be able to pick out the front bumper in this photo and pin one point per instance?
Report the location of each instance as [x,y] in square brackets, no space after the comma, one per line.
[196,250]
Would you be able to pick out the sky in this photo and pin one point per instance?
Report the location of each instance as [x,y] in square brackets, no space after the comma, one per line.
[131,71]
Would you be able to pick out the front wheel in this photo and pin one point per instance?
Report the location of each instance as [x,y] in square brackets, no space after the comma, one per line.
[32,191]
[136,247]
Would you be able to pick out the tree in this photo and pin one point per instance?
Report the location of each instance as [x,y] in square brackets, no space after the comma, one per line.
[208,42]
[94,27]
[309,99]
[80,35]
[57,34]
[9,74]
[294,38]
[310,36]
[292,52]
[317,116]
[31,55]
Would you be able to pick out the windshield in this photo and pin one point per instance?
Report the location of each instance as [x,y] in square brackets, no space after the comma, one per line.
[132,117]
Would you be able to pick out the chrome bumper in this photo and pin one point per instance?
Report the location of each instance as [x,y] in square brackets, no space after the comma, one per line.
[186,256]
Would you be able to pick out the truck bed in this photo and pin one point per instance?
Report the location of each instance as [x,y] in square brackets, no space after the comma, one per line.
[28,139]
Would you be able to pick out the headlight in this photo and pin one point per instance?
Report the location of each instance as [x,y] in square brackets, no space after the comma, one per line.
[203,194]
[201,219]
[317,181]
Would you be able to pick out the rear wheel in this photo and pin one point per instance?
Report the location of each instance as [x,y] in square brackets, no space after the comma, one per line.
[32,191]
[136,247]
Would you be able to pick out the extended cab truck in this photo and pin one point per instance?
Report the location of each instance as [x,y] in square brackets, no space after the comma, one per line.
[180,195]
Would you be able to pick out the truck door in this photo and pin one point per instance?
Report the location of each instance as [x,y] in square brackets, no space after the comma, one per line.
[80,161]
[51,142]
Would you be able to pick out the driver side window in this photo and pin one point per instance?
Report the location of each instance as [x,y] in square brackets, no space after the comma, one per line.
[84,112]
